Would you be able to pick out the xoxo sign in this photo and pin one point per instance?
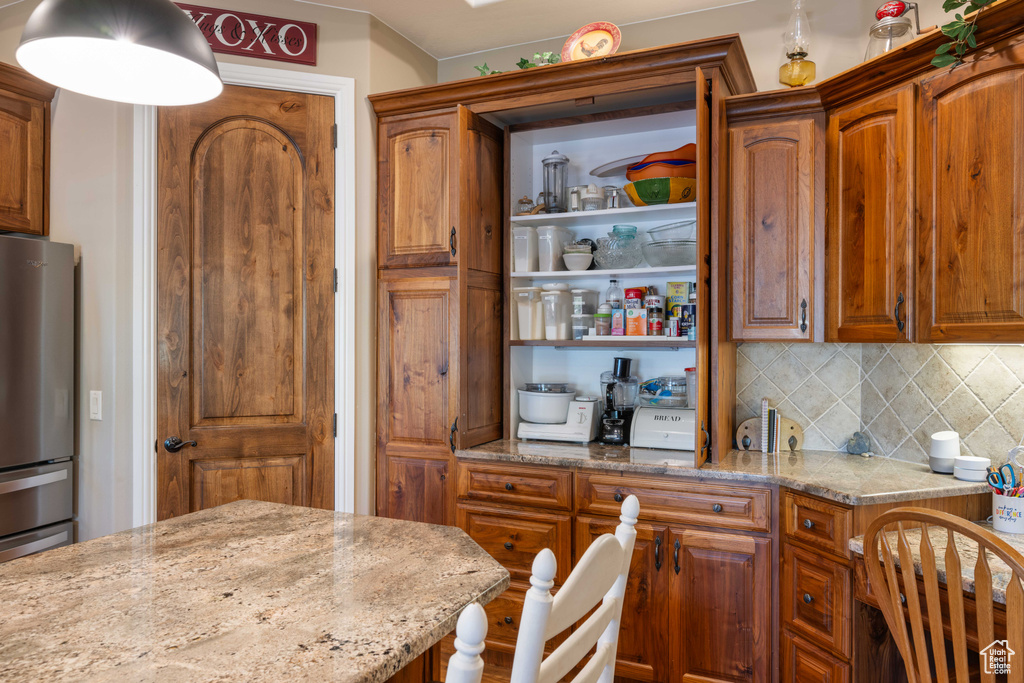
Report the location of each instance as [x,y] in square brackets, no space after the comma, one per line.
[255,35]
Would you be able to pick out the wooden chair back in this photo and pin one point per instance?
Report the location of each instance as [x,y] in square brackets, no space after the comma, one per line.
[599,579]
[885,576]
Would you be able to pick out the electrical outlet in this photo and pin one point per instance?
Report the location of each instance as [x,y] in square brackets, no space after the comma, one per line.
[95,405]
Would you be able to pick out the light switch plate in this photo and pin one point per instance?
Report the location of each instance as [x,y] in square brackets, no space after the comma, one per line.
[95,405]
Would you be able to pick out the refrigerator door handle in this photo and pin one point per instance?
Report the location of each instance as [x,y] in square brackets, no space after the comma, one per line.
[33,547]
[32,482]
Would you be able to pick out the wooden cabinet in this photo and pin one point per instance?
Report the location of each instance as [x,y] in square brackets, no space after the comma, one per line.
[24,151]
[721,606]
[418,490]
[439,191]
[871,218]
[644,646]
[776,227]
[971,201]
[803,663]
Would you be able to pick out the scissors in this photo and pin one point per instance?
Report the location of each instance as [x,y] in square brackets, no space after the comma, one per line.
[1004,478]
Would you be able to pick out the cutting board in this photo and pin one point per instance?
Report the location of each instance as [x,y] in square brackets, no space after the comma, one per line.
[751,431]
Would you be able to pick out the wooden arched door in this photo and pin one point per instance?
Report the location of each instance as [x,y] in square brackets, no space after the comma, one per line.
[245,287]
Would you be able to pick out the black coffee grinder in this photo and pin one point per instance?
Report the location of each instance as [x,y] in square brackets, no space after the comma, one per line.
[621,389]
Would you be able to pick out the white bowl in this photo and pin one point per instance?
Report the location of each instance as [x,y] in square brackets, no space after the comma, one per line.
[578,261]
[544,407]
[970,462]
[970,475]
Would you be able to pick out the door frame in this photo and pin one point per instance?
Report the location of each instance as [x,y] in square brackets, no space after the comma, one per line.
[144,306]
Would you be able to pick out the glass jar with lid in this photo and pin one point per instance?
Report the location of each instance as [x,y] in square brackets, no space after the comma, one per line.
[556,181]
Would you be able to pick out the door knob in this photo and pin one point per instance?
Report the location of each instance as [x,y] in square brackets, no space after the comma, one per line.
[173,444]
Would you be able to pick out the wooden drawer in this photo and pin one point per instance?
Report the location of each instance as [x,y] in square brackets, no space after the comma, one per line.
[514,537]
[815,598]
[504,613]
[686,502]
[802,662]
[817,522]
[545,487]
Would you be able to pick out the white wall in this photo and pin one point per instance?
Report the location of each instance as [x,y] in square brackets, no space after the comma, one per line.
[839,36]
[90,203]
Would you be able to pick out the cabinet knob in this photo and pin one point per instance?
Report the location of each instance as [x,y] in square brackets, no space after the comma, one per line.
[508,546]
[808,524]
[509,486]
[903,599]
[717,507]
[618,497]
[808,599]
[508,620]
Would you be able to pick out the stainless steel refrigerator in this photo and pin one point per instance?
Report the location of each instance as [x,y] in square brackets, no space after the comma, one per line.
[37,399]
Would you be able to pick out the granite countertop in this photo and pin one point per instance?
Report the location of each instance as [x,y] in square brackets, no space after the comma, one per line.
[966,548]
[244,592]
[844,478]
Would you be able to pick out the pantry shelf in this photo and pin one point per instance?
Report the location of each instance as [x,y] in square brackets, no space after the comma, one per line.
[614,273]
[571,219]
[614,343]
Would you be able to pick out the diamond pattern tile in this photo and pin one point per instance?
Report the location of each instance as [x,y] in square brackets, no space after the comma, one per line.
[897,394]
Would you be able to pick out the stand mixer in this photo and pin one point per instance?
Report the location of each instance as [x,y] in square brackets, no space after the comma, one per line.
[621,391]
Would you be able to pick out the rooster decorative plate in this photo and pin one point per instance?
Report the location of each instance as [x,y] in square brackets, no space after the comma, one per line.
[598,39]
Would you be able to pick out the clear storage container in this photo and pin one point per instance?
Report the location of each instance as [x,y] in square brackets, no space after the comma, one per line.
[524,248]
[530,309]
[557,315]
[581,325]
[584,301]
[551,241]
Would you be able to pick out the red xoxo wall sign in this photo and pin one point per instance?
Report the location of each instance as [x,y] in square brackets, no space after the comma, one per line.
[255,35]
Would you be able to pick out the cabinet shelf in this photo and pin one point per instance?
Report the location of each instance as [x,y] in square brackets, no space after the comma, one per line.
[611,273]
[612,343]
[571,219]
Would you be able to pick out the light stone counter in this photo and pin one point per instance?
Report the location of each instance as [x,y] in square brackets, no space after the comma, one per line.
[244,592]
[965,547]
[844,478]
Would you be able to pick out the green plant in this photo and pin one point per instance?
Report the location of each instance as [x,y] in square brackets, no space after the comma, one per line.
[539,59]
[961,32]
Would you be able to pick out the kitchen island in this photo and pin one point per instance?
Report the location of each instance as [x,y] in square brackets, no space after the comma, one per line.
[247,591]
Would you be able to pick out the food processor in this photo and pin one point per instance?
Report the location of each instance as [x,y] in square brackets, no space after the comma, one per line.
[620,391]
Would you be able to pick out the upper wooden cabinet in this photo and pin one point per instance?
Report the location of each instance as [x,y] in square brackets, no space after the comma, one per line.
[871,216]
[971,201]
[776,226]
[24,151]
[439,191]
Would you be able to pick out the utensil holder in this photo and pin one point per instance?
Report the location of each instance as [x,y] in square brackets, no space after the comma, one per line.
[1007,514]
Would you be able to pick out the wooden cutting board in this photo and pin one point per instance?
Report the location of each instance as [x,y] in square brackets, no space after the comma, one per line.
[750,431]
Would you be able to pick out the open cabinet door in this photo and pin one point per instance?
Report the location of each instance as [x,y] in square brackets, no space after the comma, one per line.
[703,416]
[478,242]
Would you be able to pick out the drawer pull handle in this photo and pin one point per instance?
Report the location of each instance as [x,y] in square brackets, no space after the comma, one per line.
[717,507]
[508,620]
[807,598]
[903,599]
[509,487]
[803,315]
[618,497]
[896,312]
[508,546]
[808,524]
[657,553]
[675,557]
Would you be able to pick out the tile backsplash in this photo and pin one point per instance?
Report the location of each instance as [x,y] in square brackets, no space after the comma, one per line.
[898,394]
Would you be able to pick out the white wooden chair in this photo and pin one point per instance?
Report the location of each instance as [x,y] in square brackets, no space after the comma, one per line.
[599,579]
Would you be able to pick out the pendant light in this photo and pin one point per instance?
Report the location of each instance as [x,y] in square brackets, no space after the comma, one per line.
[136,51]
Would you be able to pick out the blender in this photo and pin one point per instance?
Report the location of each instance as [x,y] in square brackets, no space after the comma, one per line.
[620,391]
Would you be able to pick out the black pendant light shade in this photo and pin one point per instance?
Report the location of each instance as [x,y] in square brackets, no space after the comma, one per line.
[137,51]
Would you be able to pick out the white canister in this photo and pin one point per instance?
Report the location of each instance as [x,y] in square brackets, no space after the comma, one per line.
[551,241]
[531,312]
[1008,514]
[557,315]
[524,248]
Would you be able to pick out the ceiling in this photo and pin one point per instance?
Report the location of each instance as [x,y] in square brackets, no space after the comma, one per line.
[450,28]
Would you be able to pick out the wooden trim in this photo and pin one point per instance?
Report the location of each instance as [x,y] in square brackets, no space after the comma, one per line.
[616,115]
[998,20]
[15,79]
[760,105]
[724,52]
